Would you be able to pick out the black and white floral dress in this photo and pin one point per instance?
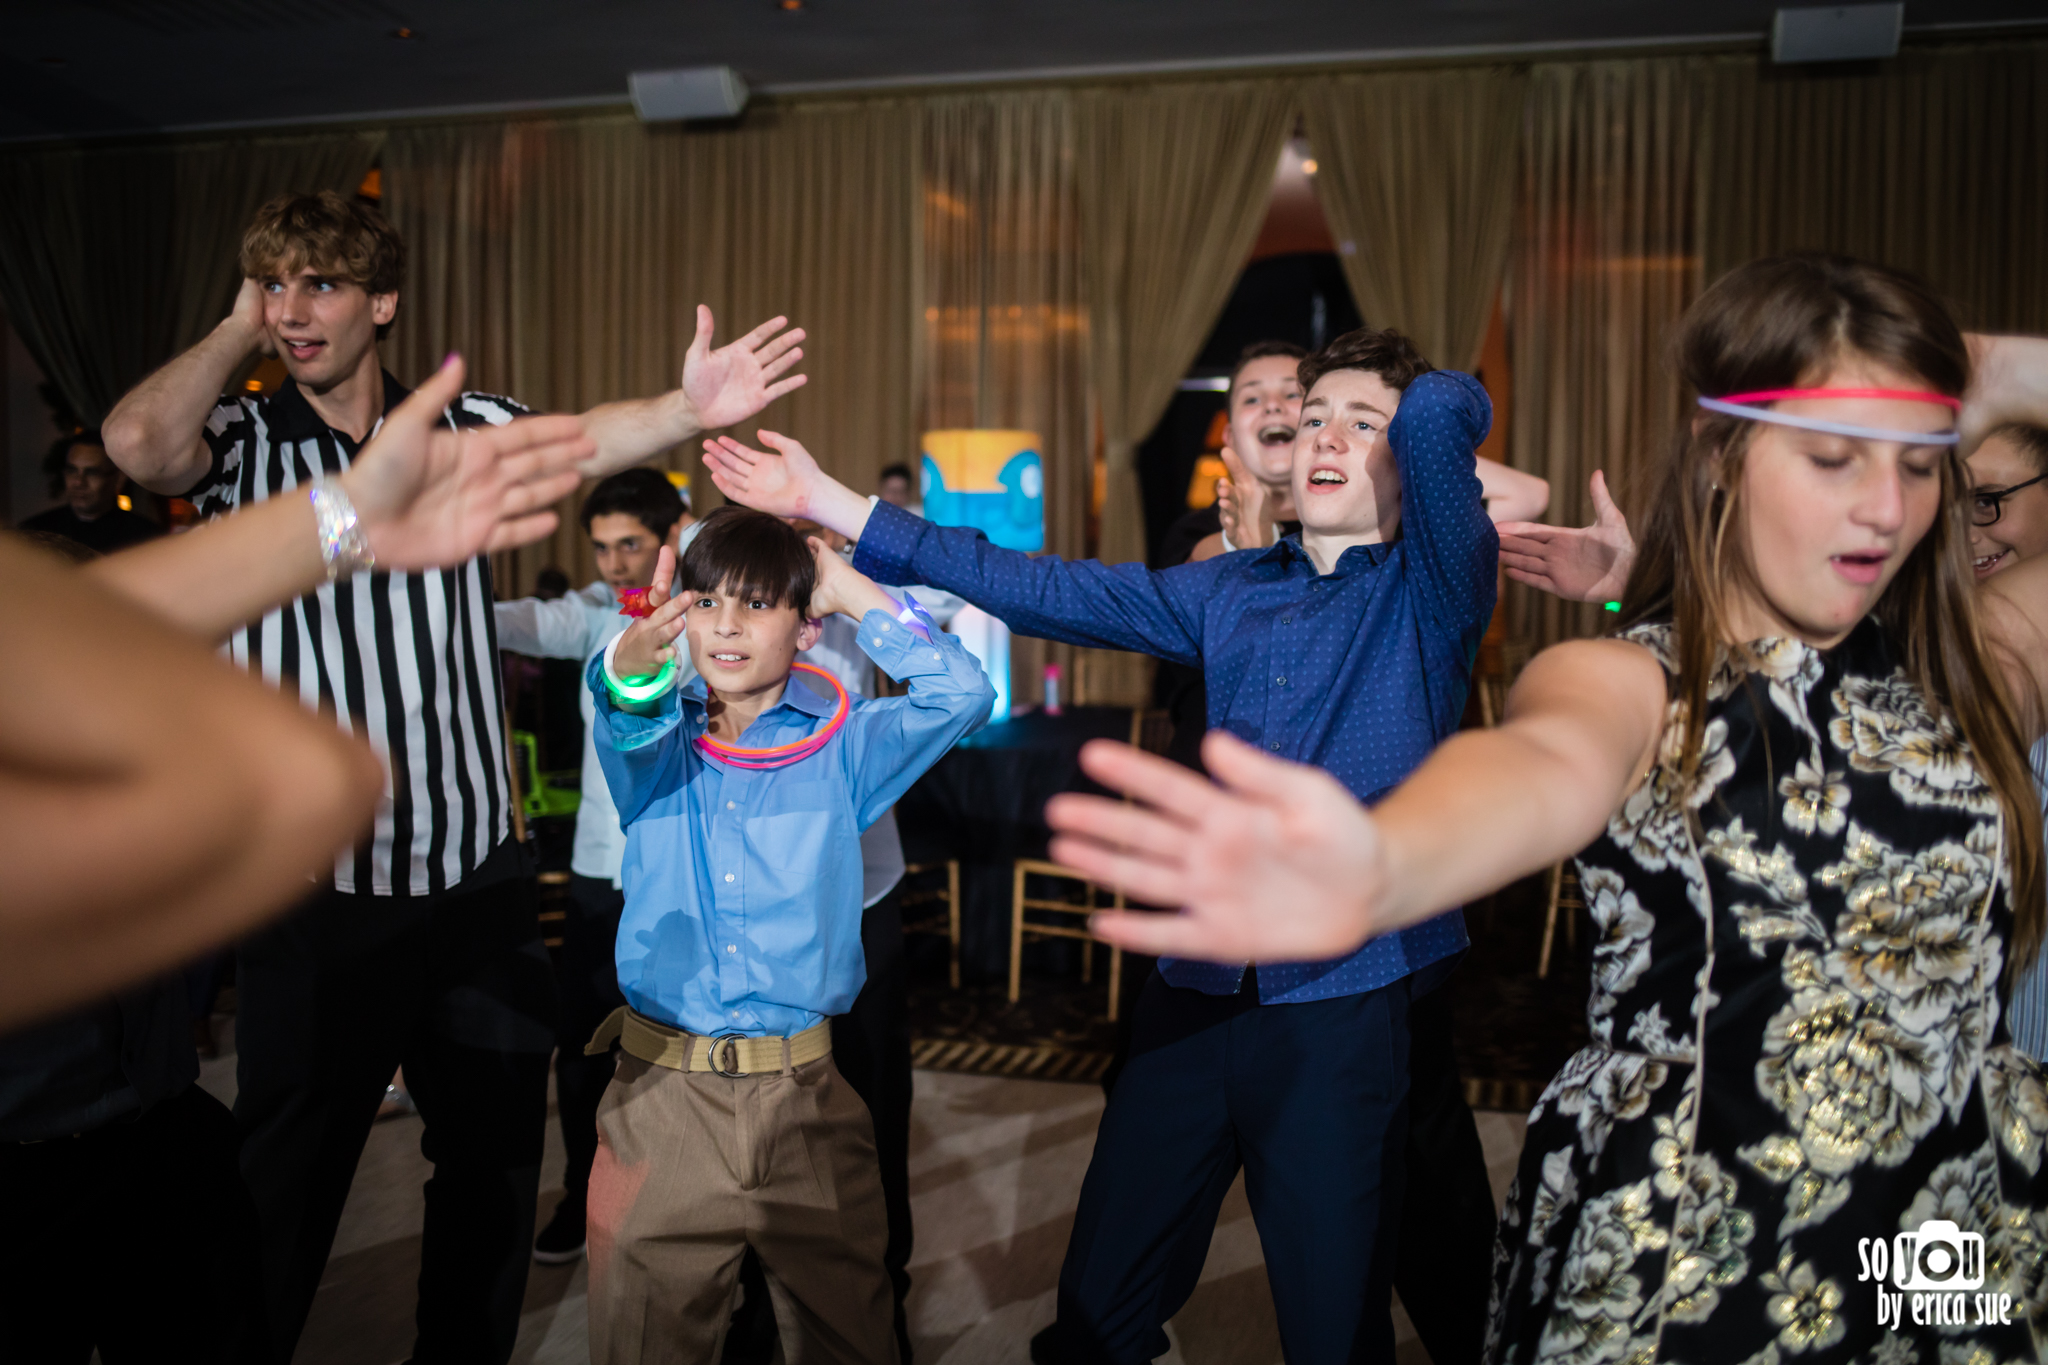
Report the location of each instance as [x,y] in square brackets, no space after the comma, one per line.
[1796,1045]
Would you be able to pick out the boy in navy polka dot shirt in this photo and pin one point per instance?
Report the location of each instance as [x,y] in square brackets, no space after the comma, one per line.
[1349,646]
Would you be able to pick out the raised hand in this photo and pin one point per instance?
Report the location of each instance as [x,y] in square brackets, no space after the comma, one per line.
[247,314]
[1278,863]
[1579,564]
[780,484]
[428,496]
[787,483]
[842,588]
[1242,505]
[737,380]
[650,642]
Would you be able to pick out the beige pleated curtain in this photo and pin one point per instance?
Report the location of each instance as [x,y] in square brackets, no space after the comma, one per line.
[1005,334]
[1416,175]
[1174,181]
[1604,265]
[565,258]
[112,260]
[1935,162]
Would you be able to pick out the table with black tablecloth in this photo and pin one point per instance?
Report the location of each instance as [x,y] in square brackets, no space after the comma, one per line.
[984,803]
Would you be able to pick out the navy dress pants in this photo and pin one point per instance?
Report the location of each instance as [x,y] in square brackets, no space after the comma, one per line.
[1310,1100]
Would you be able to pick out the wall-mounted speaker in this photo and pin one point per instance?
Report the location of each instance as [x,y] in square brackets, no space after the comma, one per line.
[689,92]
[1837,33]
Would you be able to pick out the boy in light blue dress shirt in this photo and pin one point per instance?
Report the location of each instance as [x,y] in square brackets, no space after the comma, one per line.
[743,795]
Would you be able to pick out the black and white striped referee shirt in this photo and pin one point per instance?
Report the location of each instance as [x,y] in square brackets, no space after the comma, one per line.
[407,660]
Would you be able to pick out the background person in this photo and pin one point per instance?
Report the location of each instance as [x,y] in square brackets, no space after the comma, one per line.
[871,1041]
[629,517]
[898,486]
[424,948]
[91,513]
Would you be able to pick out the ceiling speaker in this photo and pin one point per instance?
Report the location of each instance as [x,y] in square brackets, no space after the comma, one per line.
[689,92]
[1837,33]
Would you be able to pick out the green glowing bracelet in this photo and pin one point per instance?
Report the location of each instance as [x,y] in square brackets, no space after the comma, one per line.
[636,691]
[644,688]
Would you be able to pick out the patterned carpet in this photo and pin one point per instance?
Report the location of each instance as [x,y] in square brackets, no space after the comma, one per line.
[1514,1029]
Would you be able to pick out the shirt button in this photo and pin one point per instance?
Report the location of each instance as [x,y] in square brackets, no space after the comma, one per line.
[732,805]
[1287,620]
[728,876]
[1272,744]
[874,639]
[1281,680]
[735,1014]
[732,947]
[885,625]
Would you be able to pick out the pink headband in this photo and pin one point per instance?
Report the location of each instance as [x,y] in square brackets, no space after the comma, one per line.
[1904,395]
[1744,405]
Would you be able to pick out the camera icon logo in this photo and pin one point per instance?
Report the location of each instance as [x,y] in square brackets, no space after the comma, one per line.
[1938,1257]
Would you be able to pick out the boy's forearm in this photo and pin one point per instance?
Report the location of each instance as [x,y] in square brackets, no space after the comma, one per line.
[860,595]
[154,433]
[838,507]
[634,430]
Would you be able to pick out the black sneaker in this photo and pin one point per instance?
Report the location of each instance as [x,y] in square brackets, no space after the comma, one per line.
[561,1241]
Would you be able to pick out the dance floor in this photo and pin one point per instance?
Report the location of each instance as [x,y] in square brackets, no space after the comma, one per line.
[996,1164]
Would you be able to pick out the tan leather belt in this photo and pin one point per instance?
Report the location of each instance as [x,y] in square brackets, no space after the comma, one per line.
[728,1054]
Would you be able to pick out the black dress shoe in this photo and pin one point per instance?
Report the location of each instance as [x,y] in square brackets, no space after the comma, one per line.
[561,1241]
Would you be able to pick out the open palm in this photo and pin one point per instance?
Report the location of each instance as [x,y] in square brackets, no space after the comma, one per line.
[1277,863]
[780,483]
[427,496]
[1577,563]
[736,381]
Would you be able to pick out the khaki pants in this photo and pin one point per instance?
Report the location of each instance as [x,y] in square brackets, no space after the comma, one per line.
[692,1168]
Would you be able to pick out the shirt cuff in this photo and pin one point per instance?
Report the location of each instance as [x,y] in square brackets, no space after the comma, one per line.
[888,543]
[902,651]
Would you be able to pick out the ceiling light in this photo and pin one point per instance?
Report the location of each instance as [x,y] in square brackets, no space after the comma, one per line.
[405,32]
[791,5]
[1308,166]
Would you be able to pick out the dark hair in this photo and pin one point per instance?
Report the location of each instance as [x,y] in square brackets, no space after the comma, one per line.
[54,457]
[743,551]
[2032,441]
[643,494]
[1783,323]
[1386,353]
[1260,350]
[550,583]
[64,547]
[344,238]
[899,470]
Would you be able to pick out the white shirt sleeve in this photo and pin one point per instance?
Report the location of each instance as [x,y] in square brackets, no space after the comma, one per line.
[561,629]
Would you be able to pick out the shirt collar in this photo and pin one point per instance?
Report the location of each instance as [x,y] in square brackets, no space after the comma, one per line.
[798,694]
[292,418]
[1287,550]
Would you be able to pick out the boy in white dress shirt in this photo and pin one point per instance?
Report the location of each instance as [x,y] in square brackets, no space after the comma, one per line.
[628,517]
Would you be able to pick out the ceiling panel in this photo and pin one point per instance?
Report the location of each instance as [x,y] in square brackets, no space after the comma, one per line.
[118,66]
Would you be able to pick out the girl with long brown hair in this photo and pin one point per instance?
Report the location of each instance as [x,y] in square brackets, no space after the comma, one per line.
[1814,854]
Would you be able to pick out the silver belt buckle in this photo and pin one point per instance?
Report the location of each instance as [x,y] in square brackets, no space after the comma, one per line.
[730,1042]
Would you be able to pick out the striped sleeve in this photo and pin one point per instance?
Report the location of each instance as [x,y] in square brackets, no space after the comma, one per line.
[227,434]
